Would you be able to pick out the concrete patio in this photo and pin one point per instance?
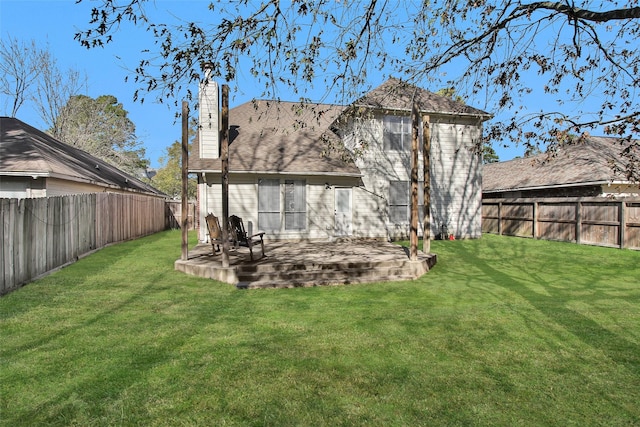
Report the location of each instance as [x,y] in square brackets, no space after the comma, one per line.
[294,264]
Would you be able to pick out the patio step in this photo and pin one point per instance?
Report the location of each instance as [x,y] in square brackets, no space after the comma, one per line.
[287,275]
[308,264]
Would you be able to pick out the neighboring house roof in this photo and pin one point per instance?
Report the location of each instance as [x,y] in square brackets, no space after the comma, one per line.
[395,94]
[27,151]
[596,161]
[281,137]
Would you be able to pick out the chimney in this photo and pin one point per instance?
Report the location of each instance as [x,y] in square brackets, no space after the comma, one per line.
[209,115]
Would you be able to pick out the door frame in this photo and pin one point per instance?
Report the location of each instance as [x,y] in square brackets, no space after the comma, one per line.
[349,226]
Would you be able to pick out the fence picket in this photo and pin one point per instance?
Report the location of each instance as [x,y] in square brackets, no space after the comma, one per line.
[41,234]
[592,221]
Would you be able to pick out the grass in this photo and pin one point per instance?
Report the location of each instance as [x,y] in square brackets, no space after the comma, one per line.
[504,331]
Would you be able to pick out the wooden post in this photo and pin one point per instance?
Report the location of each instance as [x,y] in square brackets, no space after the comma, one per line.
[184,220]
[578,229]
[534,226]
[426,208]
[224,158]
[622,219]
[413,231]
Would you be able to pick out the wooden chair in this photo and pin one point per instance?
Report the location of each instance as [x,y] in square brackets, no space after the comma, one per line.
[240,237]
[215,232]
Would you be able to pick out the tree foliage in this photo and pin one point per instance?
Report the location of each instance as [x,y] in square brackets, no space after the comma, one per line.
[102,128]
[168,179]
[489,155]
[584,53]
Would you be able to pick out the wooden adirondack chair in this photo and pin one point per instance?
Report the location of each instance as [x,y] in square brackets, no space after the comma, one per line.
[215,232]
[240,237]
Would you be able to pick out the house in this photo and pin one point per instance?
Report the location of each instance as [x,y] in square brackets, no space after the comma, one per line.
[34,164]
[593,168]
[315,171]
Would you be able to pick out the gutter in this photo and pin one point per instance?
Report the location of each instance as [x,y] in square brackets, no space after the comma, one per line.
[431,113]
[106,185]
[544,187]
[300,173]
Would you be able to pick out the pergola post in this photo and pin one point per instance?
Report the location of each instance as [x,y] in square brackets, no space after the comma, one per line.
[224,158]
[184,220]
[426,208]
[413,219]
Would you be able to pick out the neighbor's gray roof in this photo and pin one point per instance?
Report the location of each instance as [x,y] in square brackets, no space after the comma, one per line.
[27,151]
[280,137]
[590,162]
[395,94]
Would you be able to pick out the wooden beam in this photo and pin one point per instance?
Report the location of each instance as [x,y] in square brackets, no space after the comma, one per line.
[184,220]
[426,178]
[224,158]
[413,232]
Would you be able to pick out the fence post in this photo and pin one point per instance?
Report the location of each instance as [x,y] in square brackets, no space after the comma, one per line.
[578,221]
[534,226]
[499,218]
[623,223]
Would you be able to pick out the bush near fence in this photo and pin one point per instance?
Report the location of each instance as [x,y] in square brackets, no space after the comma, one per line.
[41,234]
[591,221]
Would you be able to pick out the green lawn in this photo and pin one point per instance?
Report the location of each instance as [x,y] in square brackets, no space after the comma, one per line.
[504,331]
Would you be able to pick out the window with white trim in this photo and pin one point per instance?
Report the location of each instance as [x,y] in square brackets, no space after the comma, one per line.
[269,204]
[295,205]
[397,133]
[400,201]
[271,209]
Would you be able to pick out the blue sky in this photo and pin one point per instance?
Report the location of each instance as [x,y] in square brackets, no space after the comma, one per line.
[54,22]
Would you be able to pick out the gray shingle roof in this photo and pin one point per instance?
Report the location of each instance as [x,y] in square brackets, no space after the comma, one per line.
[395,94]
[591,162]
[27,151]
[284,137]
[280,137]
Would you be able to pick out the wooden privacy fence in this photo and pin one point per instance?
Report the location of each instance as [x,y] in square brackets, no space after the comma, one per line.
[591,221]
[41,234]
[174,215]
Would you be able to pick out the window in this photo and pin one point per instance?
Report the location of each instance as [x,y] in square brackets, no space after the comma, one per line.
[397,133]
[269,204]
[400,201]
[270,213]
[295,205]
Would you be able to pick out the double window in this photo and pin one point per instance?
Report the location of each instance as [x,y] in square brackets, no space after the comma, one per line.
[400,201]
[397,133]
[270,214]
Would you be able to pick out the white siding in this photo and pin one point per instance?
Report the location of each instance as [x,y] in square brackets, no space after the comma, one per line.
[209,137]
[16,188]
[61,187]
[456,193]
[26,187]
[243,201]
[456,184]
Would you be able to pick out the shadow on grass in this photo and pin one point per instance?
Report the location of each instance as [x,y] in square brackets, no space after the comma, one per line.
[554,305]
[119,363]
